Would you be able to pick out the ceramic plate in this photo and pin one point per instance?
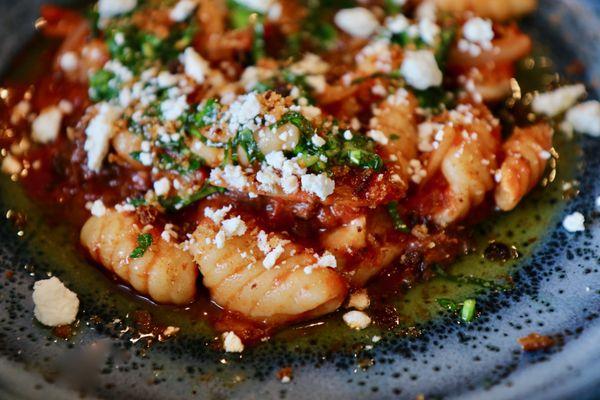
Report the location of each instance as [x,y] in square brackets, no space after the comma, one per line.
[554,290]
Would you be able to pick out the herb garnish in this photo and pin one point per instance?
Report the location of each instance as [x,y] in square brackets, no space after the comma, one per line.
[468,310]
[144,241]
[397,220]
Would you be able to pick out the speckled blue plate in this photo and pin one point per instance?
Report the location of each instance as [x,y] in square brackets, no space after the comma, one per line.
[556,292]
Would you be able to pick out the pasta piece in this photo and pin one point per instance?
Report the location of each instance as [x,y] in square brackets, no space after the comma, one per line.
[165,273]
[394,127]
[466,158]
[283,285]
[212,156]
[125,143]
[495,9]
[526,152]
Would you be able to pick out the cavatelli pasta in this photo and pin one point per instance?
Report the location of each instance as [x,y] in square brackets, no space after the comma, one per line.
[165,273]
[495,9]
[285,284]
[526,155]
[394,127]
[125,143]
[466,157]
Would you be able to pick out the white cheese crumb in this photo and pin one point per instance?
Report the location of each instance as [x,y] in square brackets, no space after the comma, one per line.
[375,339]
[112,8]
[216,215]
[243,111]
[182,10]
[585,118]
[318,141]
[397,24]
[168,233]
[420,69]
[275,159]
[233,227]
[378,136]
[262,6]
[55,305]
[272,256]
[427,9]
[195,66]
[574,222]
[233,176]
[359,300]
[99,132]
[232,343]
[429,31]
[327,260]
[162,186]
[69,61]
[11,165]
[97,208]
[172,109]
[358,22]
[46,127]
[348,135]
[320,185]
[478,35]
[357,319]
[557,101]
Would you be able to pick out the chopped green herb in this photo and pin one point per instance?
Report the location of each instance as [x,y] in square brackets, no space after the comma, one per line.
[397,220]
[104,86]
[144,241]
[137,49]
[245,140]
[258,44]
[177,203]
[448,304]
[468,310]
[239,15]
[435,99]
[137,201]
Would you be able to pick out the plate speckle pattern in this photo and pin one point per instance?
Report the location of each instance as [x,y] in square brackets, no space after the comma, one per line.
[557,291]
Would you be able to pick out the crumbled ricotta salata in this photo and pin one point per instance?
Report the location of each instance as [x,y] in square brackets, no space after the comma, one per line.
[557,101]
[320,185]
[11,165]
[357,320]
[99,132]
[112,8]
[477,36]
[69,61]
[97,208]
[46,127]
[195,66]
[232,343]
[262,6]
[182,10]
[359,300]
[420,69]
[217,215]
[172,109]
[574,222]
[231,175]
[243,112]
[272,256]
[585,118]
[162,186]
[358,22]
[55,305]
[378,136]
